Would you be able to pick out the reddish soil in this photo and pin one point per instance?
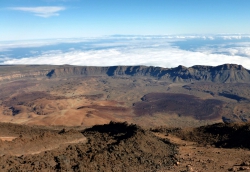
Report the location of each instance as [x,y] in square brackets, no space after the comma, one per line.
[216,148]
[182,104]
[125,147]
[193,157]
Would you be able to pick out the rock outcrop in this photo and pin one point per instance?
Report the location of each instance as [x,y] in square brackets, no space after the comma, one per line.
[226,73]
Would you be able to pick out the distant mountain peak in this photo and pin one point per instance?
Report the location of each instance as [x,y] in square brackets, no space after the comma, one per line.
[231,66]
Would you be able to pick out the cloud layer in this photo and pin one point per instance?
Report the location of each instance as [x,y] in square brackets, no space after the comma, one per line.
[43,11]
[157,51]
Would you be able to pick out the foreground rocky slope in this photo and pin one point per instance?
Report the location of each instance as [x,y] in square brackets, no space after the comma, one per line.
[221,135]
[213,148]
[125,147]
[110,147]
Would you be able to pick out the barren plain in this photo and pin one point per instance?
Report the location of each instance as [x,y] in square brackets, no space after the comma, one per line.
[57,118]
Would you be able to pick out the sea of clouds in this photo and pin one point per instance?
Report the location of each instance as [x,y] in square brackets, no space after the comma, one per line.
[160,50]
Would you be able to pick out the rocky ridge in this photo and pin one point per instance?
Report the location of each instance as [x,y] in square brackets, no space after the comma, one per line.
[110,147]
[226,73]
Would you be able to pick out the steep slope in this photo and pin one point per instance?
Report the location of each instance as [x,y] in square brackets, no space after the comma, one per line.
[13,72]
[227,73]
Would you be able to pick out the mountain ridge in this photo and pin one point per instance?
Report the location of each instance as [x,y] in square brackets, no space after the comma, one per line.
[226,73]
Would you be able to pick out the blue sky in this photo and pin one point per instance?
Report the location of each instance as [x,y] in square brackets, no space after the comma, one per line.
[164,33]
[43,19]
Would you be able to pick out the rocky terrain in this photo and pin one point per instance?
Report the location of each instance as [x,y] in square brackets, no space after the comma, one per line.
[217,147]
[171,102]
[125,147]
[110,147]
[148,96]
[57,118]
[227,73]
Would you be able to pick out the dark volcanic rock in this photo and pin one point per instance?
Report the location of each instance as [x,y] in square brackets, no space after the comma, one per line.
[226,135]
[232,96]
[14,111]
[182,104]
[110,147]
[227,73]
[227,120]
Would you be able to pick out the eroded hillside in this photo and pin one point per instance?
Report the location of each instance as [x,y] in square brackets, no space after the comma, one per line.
[149,96]
[125,147]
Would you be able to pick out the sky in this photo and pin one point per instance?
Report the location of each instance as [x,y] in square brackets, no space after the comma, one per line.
[164,33]
[43,19]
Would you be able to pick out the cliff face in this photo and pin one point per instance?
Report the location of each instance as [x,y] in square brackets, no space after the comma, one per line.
[13,72]
[227,73]
[19,75]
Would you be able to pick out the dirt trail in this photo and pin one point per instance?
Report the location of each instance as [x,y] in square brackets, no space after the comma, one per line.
[80,140]
[7,138]
[26,144]
[193,157]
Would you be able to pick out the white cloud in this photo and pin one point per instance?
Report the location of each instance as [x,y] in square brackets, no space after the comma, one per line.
[8,45]
[163,57]
[4,58]
[43,11]
[153,51]
[231,37]
[232,49]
